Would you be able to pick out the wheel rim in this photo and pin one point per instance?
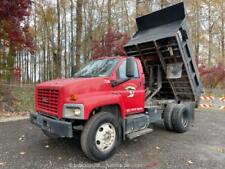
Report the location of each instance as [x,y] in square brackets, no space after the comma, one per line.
[185,119]
[105,137]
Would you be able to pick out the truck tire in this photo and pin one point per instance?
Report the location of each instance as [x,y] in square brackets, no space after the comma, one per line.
[101,136]
[168,115]
[181,118]
[50,135]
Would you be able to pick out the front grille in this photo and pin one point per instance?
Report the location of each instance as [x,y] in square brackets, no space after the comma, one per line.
[47,100]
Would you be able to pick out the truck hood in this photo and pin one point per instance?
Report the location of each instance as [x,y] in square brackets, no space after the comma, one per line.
[78,85]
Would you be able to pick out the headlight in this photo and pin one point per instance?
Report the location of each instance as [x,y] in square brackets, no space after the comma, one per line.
[77,111]
[73,111]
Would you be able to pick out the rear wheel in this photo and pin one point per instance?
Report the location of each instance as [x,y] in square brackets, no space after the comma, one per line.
[181,118]
[168,115]
[101,136]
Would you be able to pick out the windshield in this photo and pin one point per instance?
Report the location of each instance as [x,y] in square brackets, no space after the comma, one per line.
[97,68]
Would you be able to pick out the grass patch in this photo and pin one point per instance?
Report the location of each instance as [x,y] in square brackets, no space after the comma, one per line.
[16,98]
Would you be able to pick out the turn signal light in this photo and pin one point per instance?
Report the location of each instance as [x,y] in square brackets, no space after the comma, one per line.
[73,97]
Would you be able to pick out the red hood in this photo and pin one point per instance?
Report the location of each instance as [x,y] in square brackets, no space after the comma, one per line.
[57,92]
[78,85]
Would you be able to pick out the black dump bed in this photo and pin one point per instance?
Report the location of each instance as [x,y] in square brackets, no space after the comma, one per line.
[163,42]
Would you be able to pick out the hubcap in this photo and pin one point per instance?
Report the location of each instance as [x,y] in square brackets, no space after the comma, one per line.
[105,137]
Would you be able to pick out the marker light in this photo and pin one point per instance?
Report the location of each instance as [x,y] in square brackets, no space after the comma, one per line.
[73,97]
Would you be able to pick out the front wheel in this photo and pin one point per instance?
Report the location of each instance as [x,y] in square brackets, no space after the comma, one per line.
[101,136]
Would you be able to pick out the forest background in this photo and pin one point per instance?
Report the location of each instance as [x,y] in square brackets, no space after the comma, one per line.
[42,39]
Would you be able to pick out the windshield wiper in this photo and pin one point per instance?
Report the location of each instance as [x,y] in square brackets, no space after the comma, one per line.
[83,76]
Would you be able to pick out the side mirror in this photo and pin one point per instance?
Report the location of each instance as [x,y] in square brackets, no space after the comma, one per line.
[130,67]
[74,69]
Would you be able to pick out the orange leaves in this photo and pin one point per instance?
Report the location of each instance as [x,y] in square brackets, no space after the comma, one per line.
[214,76]
[12,31]
[111,44]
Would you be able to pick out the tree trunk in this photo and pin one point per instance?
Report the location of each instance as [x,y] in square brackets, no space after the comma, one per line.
[57,57]
[209,34]
[197,30]
[127,16]
[88,30]
[163,3]
[138,2]
[109,9]
[35,41]
[86,27]
[43,70]
[142,7]
[27,68]
[10,64]
[78,31]
[72,59]
[65,42]
[48,66]
[222,33]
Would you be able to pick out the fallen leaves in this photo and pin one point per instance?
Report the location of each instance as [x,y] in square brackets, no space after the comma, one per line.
[157,148]
[217,149]
[4,114]
[22,153]
[220,150]
[22,138]
[2,163]
[189,162]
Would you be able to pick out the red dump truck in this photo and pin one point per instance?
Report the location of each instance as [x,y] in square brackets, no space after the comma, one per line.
[116,98]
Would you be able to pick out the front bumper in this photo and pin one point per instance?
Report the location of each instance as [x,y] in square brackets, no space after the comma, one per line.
[60,128]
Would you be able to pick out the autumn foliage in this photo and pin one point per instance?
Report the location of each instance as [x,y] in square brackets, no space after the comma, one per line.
[14,32]
[111,44]
[213,77]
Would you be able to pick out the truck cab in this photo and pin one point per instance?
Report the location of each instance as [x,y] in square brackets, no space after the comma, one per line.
[100,83]
[116,98]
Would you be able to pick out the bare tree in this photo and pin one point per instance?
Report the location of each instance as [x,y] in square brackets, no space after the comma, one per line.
[109,9]
[163,3]
[71,34]
[57,57]
[65,36]
[78,26]
[222,11]
[210,31]
[78,31]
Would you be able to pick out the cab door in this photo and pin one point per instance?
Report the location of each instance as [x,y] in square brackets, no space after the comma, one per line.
[132,91]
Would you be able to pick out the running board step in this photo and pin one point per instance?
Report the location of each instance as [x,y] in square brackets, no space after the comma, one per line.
[139,133]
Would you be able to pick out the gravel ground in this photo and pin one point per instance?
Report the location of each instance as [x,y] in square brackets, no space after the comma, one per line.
[22,145]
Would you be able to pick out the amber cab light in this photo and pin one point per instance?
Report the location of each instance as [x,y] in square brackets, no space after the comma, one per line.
[73,97]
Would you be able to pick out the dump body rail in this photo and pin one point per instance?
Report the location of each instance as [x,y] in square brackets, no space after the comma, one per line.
[162,39]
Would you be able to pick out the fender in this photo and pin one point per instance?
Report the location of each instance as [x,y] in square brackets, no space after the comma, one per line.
[93,101]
